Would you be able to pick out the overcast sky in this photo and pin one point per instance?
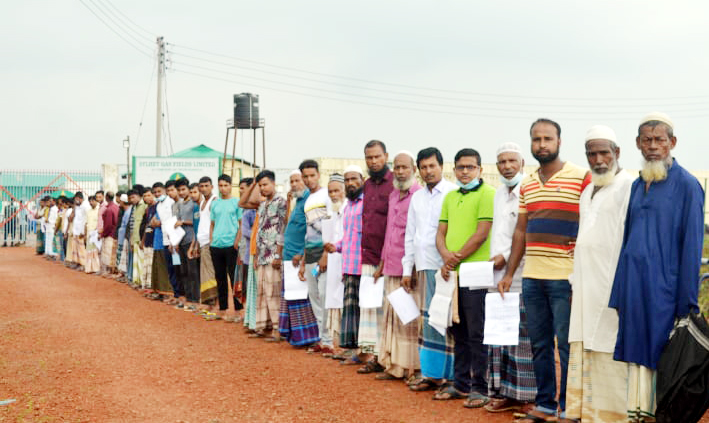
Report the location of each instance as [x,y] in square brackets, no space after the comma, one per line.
[451,74]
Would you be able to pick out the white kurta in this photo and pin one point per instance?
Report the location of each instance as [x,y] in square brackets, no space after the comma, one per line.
[600,236]
[503,228]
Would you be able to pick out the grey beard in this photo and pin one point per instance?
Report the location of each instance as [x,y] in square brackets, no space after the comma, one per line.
[655,170]
[405,185]
[298,194]
[337,206]
[604,179]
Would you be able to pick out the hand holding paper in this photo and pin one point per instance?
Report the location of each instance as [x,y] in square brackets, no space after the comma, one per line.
[371,292]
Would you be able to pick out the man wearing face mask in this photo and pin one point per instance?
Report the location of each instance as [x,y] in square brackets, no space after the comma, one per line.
[511,383]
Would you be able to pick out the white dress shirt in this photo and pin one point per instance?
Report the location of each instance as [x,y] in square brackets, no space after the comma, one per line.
[422,226]
[164,210]
[80,218]
[205,222]
[503,228]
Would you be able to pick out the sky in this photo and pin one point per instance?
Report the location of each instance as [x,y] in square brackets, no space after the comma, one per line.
[332,75]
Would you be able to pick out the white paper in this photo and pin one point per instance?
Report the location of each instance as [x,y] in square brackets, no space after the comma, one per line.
[328,230]
[335,291]
[293,287]
[439,311]
[174,234]
[371,294]
[404,305]
[476,275]
[94,239]
[501,319]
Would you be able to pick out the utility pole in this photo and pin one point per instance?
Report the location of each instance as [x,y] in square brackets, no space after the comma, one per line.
[161,73]
[126,145]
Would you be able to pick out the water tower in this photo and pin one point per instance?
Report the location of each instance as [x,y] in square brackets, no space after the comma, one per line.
[246,117]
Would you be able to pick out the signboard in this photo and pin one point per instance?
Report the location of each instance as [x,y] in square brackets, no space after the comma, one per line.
[148,170]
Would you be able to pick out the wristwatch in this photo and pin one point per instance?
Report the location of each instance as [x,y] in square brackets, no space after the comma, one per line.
[277,256]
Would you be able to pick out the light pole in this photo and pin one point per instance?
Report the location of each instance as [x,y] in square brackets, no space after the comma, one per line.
[126,145]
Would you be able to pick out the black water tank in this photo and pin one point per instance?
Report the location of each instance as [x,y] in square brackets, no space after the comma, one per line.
[246,111]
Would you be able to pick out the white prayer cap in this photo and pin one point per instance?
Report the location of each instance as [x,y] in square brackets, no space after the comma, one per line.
[295,172]
[407,153]
[600,132]
[509,147]
[658,116]
[124,198]
[353,168]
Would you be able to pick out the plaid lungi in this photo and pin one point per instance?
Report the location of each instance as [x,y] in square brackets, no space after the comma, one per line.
[597,387]
[146,277]
[369,321]
[297,323]
[122,256]
[510,367]
[108,252]
[160,278]
[435,350]
[349,323]
[398,342]
[250,306]
[208,282]
[268,297]
[79,250]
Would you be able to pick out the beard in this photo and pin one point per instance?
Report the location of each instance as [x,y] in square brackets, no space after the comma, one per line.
[352,195]
[378,175]
[404,186]
[546,159]
[606,178]
[337,205]
[655,170]
[299,193]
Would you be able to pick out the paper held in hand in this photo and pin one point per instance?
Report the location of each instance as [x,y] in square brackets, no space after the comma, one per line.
[476,275]
[371,294]
[174,234]
[440,316]
[501,319]
[293,287]
[334,295]
[404,305]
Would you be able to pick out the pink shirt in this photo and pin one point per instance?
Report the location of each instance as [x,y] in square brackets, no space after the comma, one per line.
[101,210]
[393,250]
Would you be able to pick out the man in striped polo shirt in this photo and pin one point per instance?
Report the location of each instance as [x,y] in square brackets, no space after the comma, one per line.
[546,230]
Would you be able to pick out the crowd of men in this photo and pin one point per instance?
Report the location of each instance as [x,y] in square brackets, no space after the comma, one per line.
[629,250]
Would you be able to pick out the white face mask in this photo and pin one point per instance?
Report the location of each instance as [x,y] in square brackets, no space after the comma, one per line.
[512,182]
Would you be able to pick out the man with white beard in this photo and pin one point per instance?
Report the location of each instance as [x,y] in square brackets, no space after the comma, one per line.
[336,192]
[597,385]
[398,342]
[657,277]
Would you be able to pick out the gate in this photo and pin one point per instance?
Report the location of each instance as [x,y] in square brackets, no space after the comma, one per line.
[21,190]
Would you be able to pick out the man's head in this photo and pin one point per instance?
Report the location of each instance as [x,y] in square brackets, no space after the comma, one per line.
[78,198]
[430,164]
[467,166]
[336,191]
[297,184]
[546,140]
[148,197]
[311,174]
[404,170]
[510,164]
[353,181]
[655,141]
[133,197]
[376,157]
[183,188]
[109,196]
[99,196]
[195,195]
[139,189]
[171,189]
[205,186]
[266,181]
[224,185]
[602,154]
[92,201]
[124,202]
[244,184]
[158,190]
[52,202]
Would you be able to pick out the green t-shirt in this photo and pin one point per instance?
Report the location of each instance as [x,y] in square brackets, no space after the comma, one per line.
[462,212]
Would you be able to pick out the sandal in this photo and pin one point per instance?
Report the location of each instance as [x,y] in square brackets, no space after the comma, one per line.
[476,400]
[387,376]
[353,360]
[449,393]
[274,339]
[536,416]
[423,385]
[370,367]
[498,405]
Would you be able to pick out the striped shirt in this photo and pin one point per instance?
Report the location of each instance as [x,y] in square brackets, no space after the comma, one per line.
[552,210]
[351,244]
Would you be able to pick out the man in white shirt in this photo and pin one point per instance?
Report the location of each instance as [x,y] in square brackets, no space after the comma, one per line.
[201,243]
[79,230]
[511,382]
[51,223]
[597,388]
[336,193]
[436,351]
[164,210]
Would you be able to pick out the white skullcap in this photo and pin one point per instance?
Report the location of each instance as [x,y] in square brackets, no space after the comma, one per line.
[353,168]
[295,172]
[600,132]
[509,147]
[124,198]
[407,153]
[658,116]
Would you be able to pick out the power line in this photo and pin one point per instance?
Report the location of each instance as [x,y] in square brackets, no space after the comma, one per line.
[129,20]
[119,25]
[482,94]
[140,50]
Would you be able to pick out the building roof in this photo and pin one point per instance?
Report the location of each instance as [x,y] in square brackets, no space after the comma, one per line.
[205,151]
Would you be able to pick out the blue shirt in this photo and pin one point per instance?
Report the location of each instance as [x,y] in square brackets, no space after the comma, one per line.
[294,241]
[225,214]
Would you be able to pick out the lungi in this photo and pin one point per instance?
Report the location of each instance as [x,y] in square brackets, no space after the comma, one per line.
[39,242]
[79,250]
[435,350]
[146,276]
[108,252]
[208,282]
[122,257]
[369,322]
[297,323]
[642,399]
[398,343]
[510,367]
[49,243]
[138,261]
[349,323]
[268,297]
[69,255]
[334,322]
[159,275]
[59,245]
[92,258]
[597,387]
[251,294]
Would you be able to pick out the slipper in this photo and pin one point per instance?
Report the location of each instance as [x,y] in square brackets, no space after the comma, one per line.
[353,360]
[476,400]
[255,335]
[274,339]
[386,376]
[449,393]
[498,405]
[370,367]
[538,417]
[423,385]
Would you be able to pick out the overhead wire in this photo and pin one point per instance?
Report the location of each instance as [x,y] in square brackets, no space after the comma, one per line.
[121,36]
[113,18]
[145,105]
[128,19]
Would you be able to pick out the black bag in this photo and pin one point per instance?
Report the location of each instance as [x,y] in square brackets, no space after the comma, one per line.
[683,372]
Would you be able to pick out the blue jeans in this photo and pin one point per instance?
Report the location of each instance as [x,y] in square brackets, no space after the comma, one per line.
[548,304]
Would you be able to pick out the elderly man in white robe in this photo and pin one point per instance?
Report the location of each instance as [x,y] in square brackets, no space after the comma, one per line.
[597,386]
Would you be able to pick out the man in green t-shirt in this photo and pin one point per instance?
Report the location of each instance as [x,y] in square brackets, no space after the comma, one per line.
[463,228]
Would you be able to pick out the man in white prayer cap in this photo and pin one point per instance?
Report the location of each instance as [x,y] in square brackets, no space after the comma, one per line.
[597,386]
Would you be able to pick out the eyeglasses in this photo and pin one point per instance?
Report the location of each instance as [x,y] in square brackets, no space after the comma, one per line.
[469,168]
